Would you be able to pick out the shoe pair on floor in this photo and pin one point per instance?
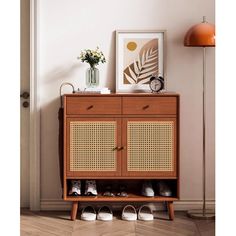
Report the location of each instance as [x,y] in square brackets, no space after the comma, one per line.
[162,189]
[129,213]
[104,214]
[90,188]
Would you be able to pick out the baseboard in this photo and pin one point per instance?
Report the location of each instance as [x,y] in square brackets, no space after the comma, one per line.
[181,205]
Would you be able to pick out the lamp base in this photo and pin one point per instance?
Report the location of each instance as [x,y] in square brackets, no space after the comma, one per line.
[198,214]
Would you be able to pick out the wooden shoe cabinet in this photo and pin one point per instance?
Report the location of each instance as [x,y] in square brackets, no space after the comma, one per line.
[121,137]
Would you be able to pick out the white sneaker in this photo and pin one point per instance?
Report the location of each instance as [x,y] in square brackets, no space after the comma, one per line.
[75,188]
[147,189]
[90,188]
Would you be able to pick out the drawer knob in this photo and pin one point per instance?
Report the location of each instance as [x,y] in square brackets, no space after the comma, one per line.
[145,107]
[90,107]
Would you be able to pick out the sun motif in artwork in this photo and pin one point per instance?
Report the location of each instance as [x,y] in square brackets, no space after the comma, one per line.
[131,45]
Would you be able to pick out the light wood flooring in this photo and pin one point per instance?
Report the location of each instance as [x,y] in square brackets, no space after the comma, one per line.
[59,223]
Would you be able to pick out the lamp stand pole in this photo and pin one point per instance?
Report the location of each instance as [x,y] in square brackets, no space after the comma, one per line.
[203,213]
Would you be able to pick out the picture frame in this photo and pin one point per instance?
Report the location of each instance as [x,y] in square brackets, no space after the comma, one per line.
[140,54]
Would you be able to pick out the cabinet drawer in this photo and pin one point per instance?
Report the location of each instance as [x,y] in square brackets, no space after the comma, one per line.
[149,105]
[93,105]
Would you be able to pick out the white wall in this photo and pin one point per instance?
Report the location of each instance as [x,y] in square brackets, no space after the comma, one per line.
[67,27]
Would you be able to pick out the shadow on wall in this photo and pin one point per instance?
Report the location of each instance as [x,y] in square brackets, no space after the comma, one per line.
[69,72]
[50,164]
[62,72]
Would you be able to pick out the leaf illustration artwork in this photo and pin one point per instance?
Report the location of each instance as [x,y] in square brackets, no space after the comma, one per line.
[144,66]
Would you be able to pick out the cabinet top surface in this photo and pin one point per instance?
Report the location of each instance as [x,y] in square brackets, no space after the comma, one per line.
[81,94]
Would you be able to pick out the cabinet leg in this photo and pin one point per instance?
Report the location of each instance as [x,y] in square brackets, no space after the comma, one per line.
[170,206]
[74,210]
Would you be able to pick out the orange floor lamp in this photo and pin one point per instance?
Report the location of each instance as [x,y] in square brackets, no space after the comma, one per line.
[202,35]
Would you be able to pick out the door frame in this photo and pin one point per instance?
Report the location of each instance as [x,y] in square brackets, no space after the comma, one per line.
[34,143]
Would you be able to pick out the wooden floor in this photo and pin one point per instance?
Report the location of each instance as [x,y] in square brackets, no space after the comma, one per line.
[59,223]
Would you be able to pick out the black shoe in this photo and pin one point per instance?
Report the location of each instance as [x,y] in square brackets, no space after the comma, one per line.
[164,189]
[108,191]
[122,191]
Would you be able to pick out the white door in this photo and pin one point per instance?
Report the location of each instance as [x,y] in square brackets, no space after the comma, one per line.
[25,89]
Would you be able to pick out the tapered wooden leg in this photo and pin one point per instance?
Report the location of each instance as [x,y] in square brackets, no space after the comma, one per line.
[74,210]
[170,206]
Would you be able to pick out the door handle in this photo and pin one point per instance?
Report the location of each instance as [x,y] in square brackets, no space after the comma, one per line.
[90,107]
[25,104]
[25,95]
[145,107]
[119,148]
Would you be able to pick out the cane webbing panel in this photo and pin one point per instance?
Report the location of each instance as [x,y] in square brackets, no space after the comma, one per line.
[150,145]
[92,146]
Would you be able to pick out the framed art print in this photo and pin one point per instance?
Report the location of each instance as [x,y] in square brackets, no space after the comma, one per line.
[139,56]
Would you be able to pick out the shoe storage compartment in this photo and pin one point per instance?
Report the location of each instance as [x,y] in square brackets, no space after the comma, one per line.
[92,147]
[121,139]
[150,147]
[133,188]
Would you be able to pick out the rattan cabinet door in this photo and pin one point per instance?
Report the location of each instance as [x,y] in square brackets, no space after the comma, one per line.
[150,147]
[92,147]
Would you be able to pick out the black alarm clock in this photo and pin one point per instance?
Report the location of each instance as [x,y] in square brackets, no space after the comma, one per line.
[156,84]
